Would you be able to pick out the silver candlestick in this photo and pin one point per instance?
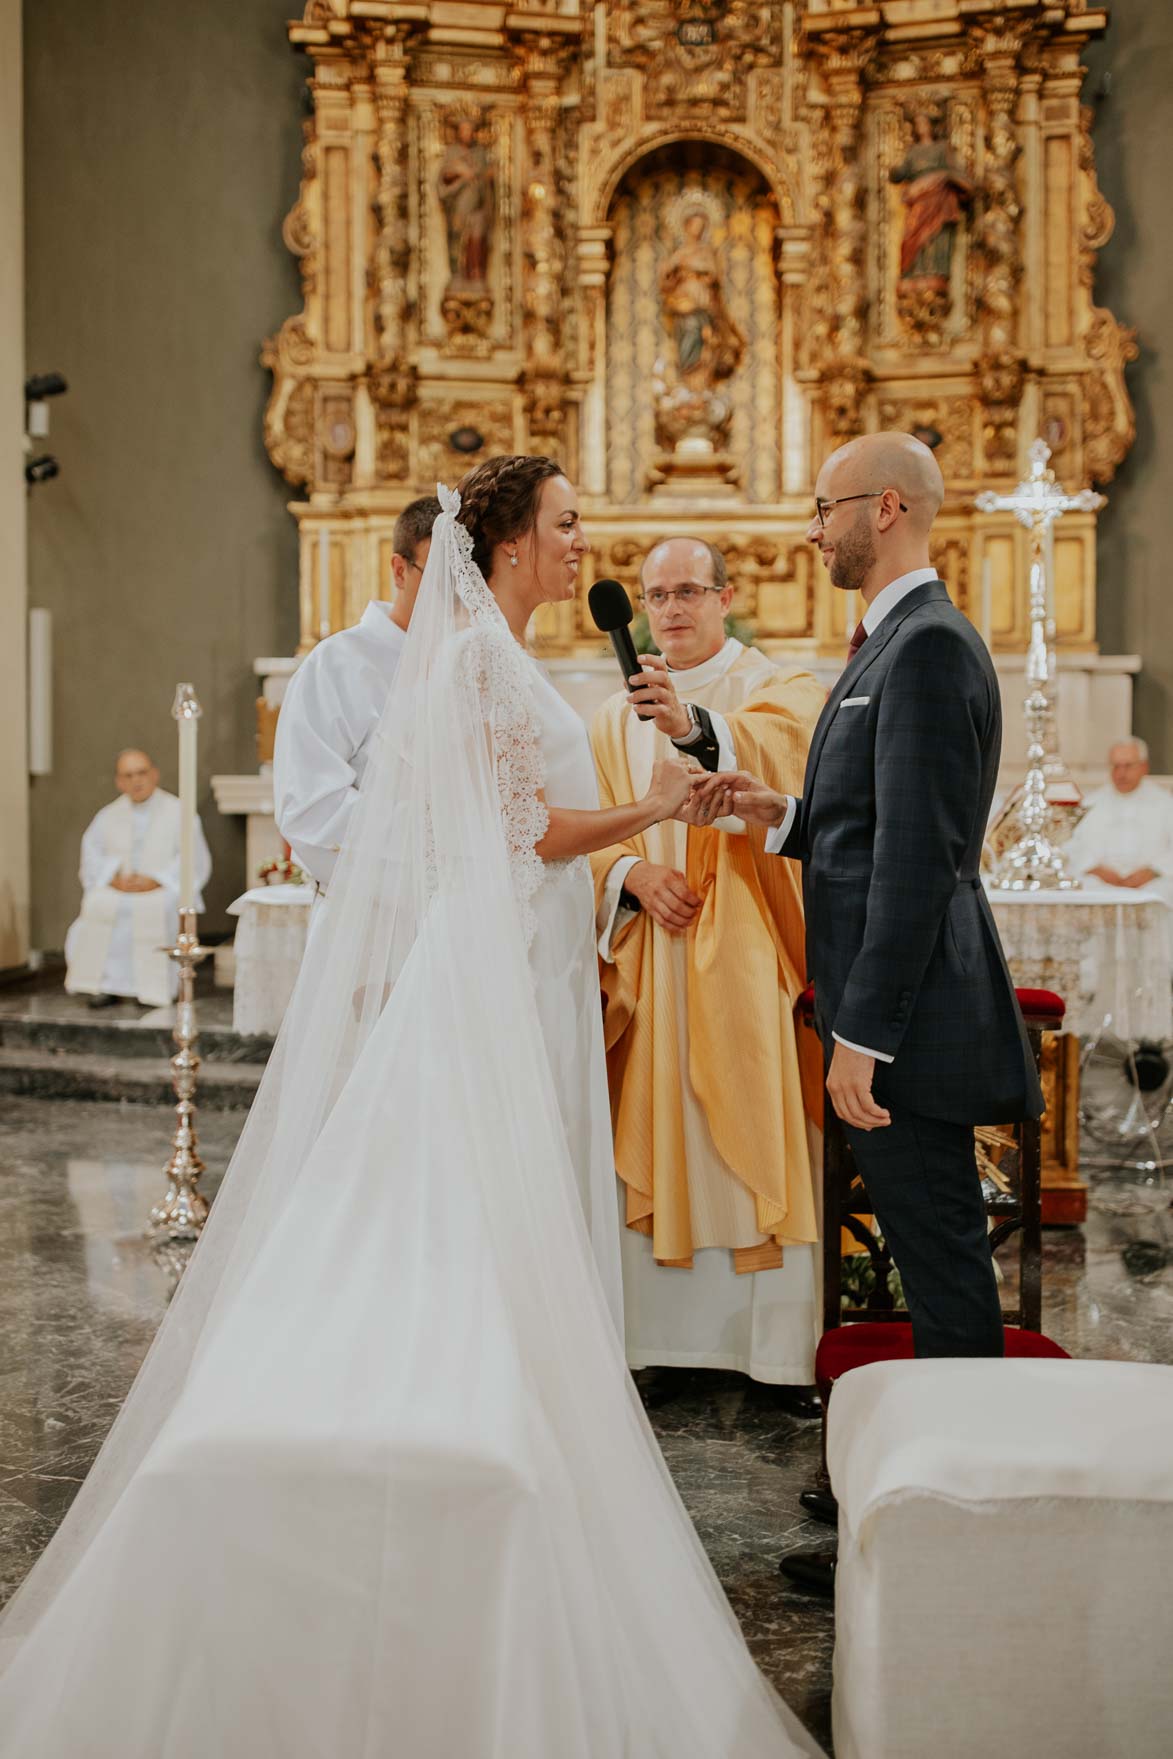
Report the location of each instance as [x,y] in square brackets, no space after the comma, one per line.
[184,1210]
[1033,862]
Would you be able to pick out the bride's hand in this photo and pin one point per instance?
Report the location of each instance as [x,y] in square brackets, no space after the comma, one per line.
[671,786]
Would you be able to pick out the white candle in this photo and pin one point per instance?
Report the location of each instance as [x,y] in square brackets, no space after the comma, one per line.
[987,610]
[850,615]
[324,582]
[187,712]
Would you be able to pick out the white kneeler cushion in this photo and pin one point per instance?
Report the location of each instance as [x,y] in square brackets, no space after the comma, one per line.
[1005,1581]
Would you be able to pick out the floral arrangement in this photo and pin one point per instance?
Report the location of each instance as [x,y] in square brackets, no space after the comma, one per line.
[284,872]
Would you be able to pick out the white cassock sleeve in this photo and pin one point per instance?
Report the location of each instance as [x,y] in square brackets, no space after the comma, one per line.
[97,868]
[315,784]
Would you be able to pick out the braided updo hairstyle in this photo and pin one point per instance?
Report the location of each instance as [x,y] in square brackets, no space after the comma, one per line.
[499,502]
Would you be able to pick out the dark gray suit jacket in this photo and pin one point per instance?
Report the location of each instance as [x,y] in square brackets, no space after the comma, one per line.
[901,942]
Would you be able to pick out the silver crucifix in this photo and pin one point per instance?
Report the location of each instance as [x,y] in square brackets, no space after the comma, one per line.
[1034,863]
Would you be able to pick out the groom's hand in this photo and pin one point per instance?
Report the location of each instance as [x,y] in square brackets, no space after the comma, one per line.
[849,1083]
[735,794]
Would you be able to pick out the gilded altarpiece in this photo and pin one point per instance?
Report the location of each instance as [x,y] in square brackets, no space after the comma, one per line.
[688,246]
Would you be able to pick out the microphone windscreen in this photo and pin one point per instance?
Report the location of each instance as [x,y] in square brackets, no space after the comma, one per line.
[609,604]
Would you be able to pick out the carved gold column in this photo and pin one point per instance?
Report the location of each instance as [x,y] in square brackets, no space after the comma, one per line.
[1109,425]
[593,263]
[393,374]
[542,254]
[1001,367]
[839,329]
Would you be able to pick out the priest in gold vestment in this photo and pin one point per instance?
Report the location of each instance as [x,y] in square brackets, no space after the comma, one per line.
[715,1090]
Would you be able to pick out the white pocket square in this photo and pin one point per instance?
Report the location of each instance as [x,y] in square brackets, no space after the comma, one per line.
[854,701]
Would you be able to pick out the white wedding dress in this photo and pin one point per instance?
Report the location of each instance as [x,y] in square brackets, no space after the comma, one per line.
[383,1486]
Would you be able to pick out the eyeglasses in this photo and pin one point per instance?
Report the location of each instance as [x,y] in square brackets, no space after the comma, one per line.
[822,508]
[657,599]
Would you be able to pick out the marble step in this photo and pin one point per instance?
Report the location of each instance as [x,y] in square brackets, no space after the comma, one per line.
[103,1037]
[137,1080]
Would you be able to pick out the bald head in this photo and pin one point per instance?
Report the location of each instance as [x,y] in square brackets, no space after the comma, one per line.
[899,461]
[687,597]
[135,775]
[887,489]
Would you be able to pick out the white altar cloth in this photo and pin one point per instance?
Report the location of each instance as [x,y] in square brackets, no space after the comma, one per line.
[270,941]
[1108,954]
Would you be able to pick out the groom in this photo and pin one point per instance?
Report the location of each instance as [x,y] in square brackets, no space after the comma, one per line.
[921,1030]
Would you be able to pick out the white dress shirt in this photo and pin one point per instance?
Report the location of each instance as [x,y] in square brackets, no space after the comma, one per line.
[885,600]
[334,702]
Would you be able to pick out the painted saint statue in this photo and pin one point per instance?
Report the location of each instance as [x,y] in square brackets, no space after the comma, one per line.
[937,191]
[467,192]
[709,345]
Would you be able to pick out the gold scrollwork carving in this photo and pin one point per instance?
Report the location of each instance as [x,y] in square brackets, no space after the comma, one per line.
[438,460]
[695,55]
[945,423]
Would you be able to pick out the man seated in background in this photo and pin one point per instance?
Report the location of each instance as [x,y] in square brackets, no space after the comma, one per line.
[335,701]
[1126,837]
[130,893]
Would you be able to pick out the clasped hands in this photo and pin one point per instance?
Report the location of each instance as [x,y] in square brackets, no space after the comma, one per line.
[1141,876]
[133,882]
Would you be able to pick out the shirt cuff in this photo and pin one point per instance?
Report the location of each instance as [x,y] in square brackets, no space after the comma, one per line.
[611,913]
[863,1050]
[690,738]
[777,835]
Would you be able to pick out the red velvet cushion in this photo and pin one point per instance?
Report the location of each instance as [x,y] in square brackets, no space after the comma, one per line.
[1043,1003]
[850,1346]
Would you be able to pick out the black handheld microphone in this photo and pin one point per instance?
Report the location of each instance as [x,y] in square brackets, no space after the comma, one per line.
[611,610]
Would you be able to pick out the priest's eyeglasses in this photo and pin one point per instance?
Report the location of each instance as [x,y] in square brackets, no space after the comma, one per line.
[822,508]
[658,599]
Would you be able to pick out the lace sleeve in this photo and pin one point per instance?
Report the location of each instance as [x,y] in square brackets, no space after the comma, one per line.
[492,669]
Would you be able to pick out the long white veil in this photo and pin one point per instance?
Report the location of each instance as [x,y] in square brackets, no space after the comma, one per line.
[410,1066]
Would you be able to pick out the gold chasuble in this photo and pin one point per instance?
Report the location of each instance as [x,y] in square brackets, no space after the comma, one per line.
[713,1084]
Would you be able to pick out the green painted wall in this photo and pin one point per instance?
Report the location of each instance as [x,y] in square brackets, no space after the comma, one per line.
[1134,155]
[162,152]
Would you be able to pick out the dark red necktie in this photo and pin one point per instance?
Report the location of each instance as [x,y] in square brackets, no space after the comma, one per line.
[858,637]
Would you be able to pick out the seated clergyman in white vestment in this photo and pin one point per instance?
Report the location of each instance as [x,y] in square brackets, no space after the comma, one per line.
[1126,837]
[334,703]
[130,893]
[714,1087]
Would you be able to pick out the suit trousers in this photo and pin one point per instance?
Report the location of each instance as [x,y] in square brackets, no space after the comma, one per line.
[922,1181]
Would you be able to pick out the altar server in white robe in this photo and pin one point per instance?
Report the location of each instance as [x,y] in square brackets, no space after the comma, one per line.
[130,893]
[334,703]
[715,1088]
[1126,837]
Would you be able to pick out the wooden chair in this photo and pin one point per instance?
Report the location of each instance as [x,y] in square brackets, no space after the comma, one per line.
[879,1330]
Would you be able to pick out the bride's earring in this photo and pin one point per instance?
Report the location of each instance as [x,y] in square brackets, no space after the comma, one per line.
[513,561]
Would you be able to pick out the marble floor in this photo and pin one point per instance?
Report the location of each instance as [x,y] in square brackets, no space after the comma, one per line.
[81,1295]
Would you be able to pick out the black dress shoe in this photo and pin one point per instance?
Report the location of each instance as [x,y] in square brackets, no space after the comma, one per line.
[820,1505]
[798,1401]
[813,1571]
[660,1386]
[103,1001]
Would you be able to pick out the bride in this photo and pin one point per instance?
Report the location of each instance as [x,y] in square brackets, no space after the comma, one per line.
[383,1486]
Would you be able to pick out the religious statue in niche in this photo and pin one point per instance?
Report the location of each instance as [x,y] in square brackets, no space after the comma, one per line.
[691,405]
[937,190]
[466,186]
